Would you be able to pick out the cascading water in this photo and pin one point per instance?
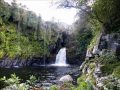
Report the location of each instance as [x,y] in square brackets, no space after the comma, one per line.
[61,58]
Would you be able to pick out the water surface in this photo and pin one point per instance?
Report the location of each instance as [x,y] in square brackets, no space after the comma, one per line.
[47,74]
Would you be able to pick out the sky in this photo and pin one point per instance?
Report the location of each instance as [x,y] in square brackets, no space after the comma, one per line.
[48,10]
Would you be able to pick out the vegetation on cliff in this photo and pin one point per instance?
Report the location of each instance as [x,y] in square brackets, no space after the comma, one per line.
[23,34]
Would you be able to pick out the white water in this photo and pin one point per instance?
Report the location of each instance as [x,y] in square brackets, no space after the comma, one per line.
[61,58]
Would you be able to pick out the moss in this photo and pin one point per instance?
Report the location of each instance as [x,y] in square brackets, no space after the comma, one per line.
[96,28]
[81,78]
[116,72]
[84,86]
[1,53]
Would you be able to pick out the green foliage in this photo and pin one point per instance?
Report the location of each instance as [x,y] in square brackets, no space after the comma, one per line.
[82,85]
[112,83]
[83,39]
[4,10]
[12,80]
[107,58]
[32,81]
[53,87]
[23,34]
[15,44]
[116,72]
[109,62]
[67,86]
[96,29]
[108,69]
[81,79]
[107,12]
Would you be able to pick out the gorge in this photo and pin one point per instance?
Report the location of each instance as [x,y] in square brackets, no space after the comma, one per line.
[80,54]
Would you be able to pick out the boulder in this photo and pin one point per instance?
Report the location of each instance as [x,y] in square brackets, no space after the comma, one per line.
[66,78]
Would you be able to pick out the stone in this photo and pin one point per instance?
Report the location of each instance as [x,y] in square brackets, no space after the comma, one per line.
[100,84]
[82,66]
[95,50]
[85,69]
[88,54]
[89,71]
[66,78]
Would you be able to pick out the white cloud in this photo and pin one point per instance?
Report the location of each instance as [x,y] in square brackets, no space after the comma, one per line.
[47,11]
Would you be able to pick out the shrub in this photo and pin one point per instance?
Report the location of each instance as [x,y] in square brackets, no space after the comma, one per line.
[84,86]
[109,62]
[116,72]
[32,80]
[107,58]
[53,87]
[12,80]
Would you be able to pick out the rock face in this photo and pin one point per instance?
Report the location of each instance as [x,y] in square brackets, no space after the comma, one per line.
[106,42]
[111,42]
[7,63]
[66,78]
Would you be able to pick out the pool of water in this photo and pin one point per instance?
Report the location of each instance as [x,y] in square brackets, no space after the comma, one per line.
[47,74]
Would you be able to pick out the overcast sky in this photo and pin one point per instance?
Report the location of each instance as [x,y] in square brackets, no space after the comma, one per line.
[48,11]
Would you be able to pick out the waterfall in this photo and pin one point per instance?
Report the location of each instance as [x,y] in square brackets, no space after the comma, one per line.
[61,58]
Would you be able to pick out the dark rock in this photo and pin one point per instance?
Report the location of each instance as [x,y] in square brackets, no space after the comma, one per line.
[7,63]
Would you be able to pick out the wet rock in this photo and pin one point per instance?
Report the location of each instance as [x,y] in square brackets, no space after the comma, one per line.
[66,78]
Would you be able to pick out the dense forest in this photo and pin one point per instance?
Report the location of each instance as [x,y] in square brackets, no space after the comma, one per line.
[92,42]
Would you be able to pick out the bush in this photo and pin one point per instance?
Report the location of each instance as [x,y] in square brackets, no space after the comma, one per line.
[32,81]
[110,62]
[12,80]
[53,87]
[108,58]
[116,72]
[82,85]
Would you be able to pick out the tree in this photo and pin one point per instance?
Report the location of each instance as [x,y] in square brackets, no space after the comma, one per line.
[107,12]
